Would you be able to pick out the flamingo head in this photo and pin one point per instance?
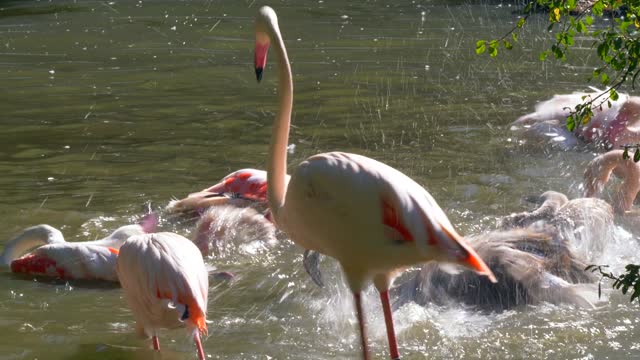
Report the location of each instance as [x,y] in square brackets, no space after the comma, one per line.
[266,21]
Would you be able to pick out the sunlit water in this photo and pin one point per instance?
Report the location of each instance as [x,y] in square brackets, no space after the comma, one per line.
[109,106]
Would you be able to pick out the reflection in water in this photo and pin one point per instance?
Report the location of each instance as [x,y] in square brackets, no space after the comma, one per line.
[118,103]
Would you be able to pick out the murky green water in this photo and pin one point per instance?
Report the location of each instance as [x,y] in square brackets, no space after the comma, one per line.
[108,105]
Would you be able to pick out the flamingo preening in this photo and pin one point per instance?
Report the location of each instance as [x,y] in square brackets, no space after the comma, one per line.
[165,283]
[610,126]
[370,217]
[52,256]
[598,172]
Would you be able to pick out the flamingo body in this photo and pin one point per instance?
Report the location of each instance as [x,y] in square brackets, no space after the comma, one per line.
[165,283]
[54,257]
[369,211]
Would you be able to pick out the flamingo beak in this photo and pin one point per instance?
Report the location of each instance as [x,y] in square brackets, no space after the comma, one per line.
[260,60]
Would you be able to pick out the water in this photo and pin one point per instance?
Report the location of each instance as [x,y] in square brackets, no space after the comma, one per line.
[110,105]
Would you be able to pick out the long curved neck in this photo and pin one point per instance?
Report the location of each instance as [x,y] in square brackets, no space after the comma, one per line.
[277,165]
[29,239]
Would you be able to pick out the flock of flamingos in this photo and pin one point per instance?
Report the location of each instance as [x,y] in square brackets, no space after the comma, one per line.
[374,220]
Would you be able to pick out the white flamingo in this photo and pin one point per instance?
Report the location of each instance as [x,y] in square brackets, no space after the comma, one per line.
[372,218]
[52,256]
[165,283]
[598,172]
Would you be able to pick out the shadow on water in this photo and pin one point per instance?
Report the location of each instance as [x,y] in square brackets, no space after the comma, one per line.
[11,8]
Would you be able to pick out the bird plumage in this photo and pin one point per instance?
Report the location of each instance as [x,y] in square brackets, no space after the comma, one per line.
[52,256]
[165,283]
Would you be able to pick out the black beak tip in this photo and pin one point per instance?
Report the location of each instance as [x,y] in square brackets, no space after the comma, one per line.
[258,74]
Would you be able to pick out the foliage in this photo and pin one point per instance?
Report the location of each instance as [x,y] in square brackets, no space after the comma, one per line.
[617,45]
[636,154]
[629,280]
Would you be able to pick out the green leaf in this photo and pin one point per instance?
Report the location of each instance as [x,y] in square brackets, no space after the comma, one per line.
[481,46]
[589,20]
[625,154]
[514,36]
[604,79]
[571,123]
[613,95]
[636,155]
[493,48]
[507,44]
[580,27]
[543,55]
[522,21]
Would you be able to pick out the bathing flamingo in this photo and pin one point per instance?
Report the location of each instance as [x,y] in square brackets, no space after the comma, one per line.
[165,283]
[532,264]
[599,170]
[54,257]
[241,188]
[609,126]
[370,217]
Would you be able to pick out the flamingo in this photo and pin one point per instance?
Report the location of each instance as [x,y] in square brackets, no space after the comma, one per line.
[532,266]
[370,217]
[611,126]
[241,188]
[599,170]
[165,283]
[556,209]
[54,257]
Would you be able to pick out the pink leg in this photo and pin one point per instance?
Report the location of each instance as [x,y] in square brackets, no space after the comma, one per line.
[388,319]
[156,343]
[363,331]
[196,338]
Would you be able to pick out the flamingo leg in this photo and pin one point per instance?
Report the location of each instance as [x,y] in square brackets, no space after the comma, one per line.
[156,343]
[388,319]
[363,330]
[196,338]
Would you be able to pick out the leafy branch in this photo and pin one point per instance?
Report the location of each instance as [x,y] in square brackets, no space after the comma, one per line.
[630,279]
[617,46]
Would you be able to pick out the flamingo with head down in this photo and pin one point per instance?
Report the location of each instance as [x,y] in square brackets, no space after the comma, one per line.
[598,172]
[165,283]
[610,126]
[370,217]
[54,257]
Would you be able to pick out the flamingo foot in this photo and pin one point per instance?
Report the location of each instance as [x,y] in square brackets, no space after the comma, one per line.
[363,329]
[156,343]
[196,338]
[388,319]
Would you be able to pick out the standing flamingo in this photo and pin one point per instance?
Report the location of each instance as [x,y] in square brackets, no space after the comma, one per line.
[54,257]
[599,170]
[165,283]
[240,188]
[370,217]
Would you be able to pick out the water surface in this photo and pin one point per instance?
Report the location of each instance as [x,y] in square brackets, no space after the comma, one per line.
[111,105]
